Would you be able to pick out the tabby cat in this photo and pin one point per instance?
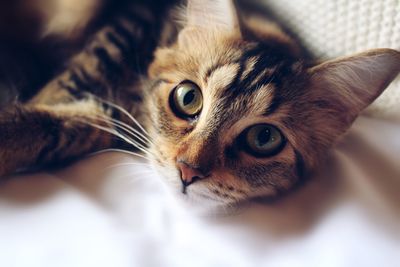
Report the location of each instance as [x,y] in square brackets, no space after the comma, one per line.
[228,110]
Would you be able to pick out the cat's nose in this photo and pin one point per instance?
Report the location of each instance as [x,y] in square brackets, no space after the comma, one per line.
[189,174]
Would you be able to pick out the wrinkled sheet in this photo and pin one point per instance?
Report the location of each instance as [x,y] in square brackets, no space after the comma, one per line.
[111,210]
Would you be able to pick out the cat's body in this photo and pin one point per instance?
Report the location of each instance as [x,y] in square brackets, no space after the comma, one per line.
[108,66]
[231,109]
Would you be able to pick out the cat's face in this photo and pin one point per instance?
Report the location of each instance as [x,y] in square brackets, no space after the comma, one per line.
[218,109]
[234,118]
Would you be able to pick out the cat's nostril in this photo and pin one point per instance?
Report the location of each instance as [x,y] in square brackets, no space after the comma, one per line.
[189,174]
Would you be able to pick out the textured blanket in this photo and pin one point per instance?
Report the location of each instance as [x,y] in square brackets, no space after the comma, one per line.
[342,27]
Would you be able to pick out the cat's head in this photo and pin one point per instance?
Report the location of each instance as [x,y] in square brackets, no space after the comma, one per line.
[235,113]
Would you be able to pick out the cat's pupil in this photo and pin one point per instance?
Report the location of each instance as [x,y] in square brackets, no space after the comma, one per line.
[188,98]
[263,137]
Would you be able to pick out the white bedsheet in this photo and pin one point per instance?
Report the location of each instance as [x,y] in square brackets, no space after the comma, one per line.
[88,215]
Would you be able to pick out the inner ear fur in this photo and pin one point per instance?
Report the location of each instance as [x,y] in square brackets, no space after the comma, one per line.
[350,84]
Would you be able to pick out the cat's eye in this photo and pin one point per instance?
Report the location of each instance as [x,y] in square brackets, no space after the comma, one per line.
[263,140]
[186,100]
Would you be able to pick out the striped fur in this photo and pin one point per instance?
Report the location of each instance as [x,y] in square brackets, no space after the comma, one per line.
[249,72]
[45,129]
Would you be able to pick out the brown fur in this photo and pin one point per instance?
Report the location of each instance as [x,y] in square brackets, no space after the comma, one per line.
[285,93]
[249,72]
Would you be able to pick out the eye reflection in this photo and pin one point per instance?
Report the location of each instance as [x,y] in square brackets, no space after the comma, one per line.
[186,100]
[262,140]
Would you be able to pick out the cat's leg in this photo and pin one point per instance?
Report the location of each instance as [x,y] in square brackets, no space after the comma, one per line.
[50,127]
[55,125]
[32,136]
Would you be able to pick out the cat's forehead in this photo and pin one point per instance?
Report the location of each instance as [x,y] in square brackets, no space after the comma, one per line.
[229,102]
[238,78]
[249,84]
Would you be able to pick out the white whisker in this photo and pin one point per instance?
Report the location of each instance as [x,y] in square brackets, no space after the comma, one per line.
[118,134]
[117,150]
[128,164]
[127,130]
[124,111]
[144,176]
[136,132]
[126,127]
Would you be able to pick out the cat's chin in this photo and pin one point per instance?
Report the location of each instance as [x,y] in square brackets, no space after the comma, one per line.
[206,205]
[196,198]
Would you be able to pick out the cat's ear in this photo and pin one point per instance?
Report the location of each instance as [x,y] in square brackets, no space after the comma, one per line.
[350,84]
[212,13]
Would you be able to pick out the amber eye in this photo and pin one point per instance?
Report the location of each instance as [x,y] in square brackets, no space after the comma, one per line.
[186,100]
[263,140]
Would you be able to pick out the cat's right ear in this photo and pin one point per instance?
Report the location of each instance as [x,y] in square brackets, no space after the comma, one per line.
[348,85]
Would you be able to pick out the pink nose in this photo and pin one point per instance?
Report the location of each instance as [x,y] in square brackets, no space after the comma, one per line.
[189,174]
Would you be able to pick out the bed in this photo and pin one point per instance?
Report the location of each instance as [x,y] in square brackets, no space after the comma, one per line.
[111,210]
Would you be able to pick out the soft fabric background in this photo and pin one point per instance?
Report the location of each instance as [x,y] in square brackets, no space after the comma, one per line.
[342,27]
[92,214]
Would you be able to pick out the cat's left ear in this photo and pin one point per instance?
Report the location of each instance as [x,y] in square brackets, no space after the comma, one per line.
[350,84]
[212,14]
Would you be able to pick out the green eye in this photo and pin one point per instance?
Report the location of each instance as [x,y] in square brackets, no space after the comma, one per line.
[263,140]
[186,100]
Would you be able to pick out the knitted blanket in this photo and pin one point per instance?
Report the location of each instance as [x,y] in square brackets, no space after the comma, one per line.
[342,27]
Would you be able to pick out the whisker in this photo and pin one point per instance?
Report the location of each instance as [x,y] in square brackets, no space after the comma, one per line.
[118,134]
[146,166]
[112,161]
[135,178]
[124,127]
[118,150]
[127,129]
[124,111]
[134,173]
[133,130]
[127,164]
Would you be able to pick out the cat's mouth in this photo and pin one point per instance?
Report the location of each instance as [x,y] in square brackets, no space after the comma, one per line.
[204,194]
[203,201]
[206,203]
[208,192]
[207,195]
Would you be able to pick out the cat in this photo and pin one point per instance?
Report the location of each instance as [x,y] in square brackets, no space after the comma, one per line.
[229,109]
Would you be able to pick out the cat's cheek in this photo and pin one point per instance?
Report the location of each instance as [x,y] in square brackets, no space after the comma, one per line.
[161,155]
[170,177]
